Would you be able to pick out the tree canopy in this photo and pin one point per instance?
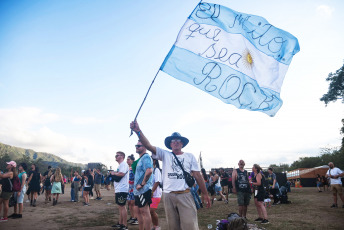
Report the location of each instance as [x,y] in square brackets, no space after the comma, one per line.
[336,87]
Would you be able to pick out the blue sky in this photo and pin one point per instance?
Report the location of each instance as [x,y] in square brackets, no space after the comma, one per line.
[74,73]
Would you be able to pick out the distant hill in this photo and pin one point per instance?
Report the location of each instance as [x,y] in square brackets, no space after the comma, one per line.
[17,153]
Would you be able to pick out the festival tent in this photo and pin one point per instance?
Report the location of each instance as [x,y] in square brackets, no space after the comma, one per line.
[307,176]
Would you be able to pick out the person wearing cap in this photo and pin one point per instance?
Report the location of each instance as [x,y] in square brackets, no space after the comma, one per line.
[180,209]
[7,192]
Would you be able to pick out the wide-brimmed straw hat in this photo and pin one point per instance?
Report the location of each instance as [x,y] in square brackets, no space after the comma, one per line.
[175,135]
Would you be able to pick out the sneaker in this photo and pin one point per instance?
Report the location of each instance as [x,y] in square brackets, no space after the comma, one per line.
[265,221]
[86,204]
[12,215]
[226,201]
[219,199]
[17,216]
[135,222]
[334,206]
[157,228]
[116,226]
[131,220]
[3,219]
[258,219]
[343,206]
[123,227]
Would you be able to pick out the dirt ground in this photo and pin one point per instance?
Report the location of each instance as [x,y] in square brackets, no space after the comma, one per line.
[309,210]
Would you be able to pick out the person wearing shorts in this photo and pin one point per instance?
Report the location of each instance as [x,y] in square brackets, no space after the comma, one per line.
[131,199]
[121,190]
[335,175]
[156,194]
[143,184]
[97,183]
[242,188]
[259,194]
[19,196]
[6,192]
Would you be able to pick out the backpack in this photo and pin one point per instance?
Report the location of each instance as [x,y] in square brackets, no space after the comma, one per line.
[236,222]
[15,186]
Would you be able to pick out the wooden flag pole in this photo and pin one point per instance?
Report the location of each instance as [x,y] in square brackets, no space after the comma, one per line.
[131,133]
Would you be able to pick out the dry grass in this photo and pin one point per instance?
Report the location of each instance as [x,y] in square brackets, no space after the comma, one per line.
[309,210]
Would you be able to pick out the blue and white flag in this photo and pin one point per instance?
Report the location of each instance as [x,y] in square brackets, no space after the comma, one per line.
[236,57]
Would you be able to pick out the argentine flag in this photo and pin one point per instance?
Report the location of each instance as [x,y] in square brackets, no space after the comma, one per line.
[239,58]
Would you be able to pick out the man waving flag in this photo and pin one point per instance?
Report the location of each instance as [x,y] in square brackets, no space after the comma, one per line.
[239,58]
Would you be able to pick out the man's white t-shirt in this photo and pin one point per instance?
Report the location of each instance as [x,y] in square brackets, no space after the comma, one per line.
[123,184]
[172,175]
[157,178]
[335,172]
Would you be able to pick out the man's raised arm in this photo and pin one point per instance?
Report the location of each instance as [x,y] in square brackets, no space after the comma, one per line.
[135,127]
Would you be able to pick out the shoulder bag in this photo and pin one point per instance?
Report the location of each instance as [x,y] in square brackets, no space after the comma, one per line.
[190,180]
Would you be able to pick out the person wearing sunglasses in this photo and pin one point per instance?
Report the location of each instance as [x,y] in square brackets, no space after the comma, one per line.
[180,208]
[143,184]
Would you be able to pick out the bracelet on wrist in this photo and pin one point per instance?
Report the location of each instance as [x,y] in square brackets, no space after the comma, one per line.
[138,133]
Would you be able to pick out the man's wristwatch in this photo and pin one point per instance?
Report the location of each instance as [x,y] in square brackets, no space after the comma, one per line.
[142,185]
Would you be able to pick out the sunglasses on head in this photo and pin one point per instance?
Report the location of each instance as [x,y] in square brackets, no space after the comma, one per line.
[138,146]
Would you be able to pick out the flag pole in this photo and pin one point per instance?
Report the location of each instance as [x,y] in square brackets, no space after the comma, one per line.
[131,133]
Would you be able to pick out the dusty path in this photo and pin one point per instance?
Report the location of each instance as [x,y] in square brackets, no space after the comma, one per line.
[70,215]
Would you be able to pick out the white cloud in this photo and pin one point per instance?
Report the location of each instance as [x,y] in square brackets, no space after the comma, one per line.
[325,11]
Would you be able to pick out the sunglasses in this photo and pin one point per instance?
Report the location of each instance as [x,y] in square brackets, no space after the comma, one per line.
[176,140]
[138,146]
[117,156]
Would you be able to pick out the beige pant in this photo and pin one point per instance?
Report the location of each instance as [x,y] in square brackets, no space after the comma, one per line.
[181,212]
[337,188]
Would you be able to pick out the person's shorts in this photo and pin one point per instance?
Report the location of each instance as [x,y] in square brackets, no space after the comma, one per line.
[243,198]
[121,198]
[259,195]
[318,184]
[96,187]
[218,189]
[47,187]
[87,189]
[20,199]
[130,196]
[337,189]
[155,202]
[143,199]
[6,195]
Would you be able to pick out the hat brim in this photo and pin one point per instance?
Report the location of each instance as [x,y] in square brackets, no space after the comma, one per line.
[168,140]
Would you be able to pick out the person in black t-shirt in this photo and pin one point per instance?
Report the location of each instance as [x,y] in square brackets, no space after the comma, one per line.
[47,184]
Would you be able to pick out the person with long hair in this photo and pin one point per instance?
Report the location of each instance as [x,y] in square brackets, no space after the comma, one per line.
[319,184]
[131,199]
[324,181]
[76,184]
[19,196]
[206,180]
[156,194]
[88,181]
[57,181]
[47,184]
[34,184]
[259,194]
[6,193]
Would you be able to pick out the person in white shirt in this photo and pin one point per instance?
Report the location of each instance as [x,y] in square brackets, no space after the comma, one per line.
[180,208]
[336,183]
[121,190]
[156,194]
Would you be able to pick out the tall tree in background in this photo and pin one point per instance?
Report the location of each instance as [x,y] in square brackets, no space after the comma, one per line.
[336,92]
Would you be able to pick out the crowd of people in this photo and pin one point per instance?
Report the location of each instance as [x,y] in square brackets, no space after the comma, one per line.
[140,184]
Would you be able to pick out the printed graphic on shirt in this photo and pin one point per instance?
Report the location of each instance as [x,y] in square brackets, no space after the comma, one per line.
[177,171]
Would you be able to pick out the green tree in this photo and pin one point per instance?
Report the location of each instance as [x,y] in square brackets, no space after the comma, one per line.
[336,87]
[3,159]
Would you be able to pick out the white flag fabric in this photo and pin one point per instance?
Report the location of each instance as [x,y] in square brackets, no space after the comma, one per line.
[236,57]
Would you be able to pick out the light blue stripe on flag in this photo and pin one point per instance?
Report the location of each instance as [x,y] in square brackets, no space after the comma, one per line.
[270,40]
[221,81]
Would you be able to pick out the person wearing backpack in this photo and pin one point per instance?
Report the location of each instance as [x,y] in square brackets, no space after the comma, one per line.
[21,193]
[7,188]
